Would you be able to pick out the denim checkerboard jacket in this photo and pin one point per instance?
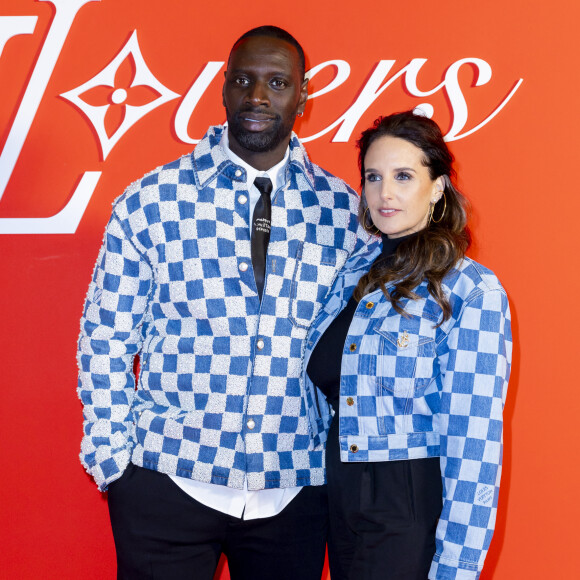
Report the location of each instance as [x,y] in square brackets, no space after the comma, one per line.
[219,395]
[409,390]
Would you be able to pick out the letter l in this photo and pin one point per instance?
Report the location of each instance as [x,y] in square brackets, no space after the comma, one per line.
[66,11]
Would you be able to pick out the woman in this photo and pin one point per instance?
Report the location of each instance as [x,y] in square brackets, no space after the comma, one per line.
[412,351]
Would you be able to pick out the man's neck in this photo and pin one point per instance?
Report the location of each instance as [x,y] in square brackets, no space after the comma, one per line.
[261,161]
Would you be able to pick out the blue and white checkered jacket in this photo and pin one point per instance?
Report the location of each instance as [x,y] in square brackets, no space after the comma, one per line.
[409,390]
[219,395]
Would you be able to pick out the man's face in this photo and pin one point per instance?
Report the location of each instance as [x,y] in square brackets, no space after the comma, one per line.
[262,93]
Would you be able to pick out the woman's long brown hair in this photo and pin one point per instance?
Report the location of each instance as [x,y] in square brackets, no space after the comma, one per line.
[435,250]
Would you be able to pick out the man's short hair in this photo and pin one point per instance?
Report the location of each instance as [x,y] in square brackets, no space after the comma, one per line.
[275,32]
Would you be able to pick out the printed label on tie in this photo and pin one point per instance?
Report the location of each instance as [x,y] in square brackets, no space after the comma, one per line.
[262,225]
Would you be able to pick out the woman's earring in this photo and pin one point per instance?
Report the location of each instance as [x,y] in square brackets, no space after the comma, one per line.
[431,218]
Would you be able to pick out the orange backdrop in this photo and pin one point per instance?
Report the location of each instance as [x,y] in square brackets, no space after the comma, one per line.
[97,92]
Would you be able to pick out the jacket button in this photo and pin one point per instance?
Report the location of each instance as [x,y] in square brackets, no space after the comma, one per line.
[243,266]
[370,305]
[242,199]
[251,424]
[238,172]
[350,401]
[354,448]
[352,347]
[260,344]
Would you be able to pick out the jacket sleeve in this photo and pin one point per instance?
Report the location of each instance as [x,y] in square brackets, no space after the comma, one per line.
[474,373]
[110,339]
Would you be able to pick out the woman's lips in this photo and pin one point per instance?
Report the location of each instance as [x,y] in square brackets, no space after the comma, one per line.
[389,212]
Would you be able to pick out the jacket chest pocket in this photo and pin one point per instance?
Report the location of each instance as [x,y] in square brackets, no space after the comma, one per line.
[406,355]
[314,272]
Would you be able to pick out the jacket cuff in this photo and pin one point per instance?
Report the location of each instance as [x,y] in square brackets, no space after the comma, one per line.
[109,470]
[452,571]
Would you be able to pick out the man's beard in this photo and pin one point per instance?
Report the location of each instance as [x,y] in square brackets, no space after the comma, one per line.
[261,141]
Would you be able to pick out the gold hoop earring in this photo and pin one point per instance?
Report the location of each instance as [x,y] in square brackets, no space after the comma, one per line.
[431,218]
[367,228]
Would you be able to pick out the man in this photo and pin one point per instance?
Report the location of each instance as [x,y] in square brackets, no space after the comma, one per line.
[214,452]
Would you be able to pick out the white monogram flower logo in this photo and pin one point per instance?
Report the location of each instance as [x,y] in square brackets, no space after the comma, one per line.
[121,94]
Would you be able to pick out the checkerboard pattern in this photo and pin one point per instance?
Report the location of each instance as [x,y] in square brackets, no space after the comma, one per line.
[219,396]
[410,390]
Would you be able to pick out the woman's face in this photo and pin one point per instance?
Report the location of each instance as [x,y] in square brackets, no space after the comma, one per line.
[398,188]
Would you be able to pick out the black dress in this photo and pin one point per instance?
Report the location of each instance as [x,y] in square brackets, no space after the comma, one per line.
[383,515]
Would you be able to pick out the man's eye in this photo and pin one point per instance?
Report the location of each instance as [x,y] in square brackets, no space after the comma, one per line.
[279,83]
[242,81]
[370,177]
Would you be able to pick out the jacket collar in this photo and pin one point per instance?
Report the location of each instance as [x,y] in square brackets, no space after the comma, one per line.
[364,258]
[210,159]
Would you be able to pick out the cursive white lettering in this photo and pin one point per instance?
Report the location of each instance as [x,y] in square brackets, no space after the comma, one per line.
[67,220]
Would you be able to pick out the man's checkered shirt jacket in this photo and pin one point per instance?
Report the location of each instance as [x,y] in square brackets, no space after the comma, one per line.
[410,390]
[173,284]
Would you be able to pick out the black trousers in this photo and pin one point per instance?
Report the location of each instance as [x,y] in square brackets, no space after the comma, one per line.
[383,516]
[161,533]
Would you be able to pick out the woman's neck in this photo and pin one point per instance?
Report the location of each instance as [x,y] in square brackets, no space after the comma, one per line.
[390,245]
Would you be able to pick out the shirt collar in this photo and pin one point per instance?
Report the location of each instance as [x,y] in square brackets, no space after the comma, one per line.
[277,174]
[209,159]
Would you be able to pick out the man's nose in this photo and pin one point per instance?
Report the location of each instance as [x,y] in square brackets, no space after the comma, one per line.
[258,94]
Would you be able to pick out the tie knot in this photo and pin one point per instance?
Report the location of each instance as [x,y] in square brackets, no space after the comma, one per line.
[264,185]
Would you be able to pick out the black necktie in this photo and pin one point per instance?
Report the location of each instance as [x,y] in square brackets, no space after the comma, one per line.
[261,230]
